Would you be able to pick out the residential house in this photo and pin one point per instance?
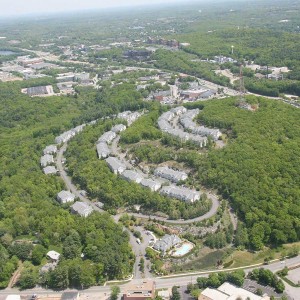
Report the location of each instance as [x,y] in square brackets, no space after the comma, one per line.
[180,193]
[102,150]
[107,137]
[82,209]
[118,128]
[130,175]
[65,197]
[115,165]
[53,256]
[170,174]
[151,184]
[166,243]
[50,170]
[51,149]
[46,160]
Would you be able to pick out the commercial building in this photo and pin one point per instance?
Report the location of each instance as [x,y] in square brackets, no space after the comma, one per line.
[170,174]
[82,209]
[115,165]
[39,91]
[228,291]
[180,193]
[65,197]
[142,291]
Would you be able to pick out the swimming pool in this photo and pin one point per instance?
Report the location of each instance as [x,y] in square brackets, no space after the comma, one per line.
[184,248]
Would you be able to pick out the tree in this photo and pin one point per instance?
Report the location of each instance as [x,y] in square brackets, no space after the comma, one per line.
[28,279]
[21,250]
[115,291]
[37,254]
[175,293]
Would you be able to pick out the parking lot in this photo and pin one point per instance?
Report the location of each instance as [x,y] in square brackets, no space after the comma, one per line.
[294,276]
[252,286]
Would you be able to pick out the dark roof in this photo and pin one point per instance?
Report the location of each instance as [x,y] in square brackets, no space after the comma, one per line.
[69,295]
[37,90]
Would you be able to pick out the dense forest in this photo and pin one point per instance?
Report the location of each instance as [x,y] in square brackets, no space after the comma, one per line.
[263,46]
[28,210]
[258,172]
[181,62]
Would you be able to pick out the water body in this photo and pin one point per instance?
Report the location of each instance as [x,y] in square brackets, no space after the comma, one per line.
[6,52]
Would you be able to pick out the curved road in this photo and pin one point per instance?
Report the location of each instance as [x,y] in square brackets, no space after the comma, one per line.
[74,190]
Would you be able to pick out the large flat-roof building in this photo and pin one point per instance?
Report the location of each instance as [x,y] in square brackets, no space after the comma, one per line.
[140,291]
[39,91]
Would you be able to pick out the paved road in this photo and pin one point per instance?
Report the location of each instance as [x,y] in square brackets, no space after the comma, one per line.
[136,250]
[169,281]
[68,181]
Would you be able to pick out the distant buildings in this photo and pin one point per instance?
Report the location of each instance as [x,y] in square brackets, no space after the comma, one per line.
[65,197]
[165,125]
[82,209]
[142,291]
[166,243]
[67,135]
[129,116]
[40,91]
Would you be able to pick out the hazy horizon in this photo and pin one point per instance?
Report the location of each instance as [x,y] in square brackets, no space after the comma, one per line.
[14,8]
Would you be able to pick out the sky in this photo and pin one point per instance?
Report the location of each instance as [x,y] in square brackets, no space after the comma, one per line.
[9,8]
